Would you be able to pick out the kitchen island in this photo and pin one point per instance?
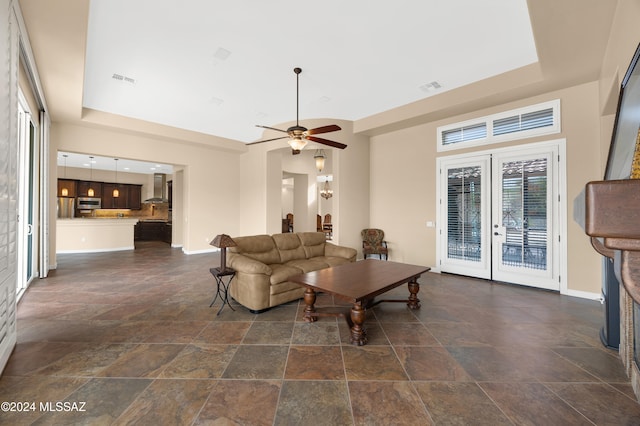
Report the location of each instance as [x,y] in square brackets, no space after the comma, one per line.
[87,235]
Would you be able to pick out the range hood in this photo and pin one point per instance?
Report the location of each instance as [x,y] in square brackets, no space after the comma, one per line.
[159,186]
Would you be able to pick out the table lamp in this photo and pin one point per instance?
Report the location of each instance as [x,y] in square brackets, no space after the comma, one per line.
[223,241]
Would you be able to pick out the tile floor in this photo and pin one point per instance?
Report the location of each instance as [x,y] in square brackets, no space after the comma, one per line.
[129,338]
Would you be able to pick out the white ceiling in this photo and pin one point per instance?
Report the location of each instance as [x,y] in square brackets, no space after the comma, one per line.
[86,161]
[358,57]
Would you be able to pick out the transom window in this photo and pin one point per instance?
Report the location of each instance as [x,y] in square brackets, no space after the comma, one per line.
[534,120]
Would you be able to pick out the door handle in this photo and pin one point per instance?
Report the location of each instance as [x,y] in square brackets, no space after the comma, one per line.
[29,229]
[497,233]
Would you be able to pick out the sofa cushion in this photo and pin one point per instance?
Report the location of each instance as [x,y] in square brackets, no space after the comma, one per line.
[284,287]
[308,265]
[289,246]
[333,260]
[282,272]
[313,243]
[258,247]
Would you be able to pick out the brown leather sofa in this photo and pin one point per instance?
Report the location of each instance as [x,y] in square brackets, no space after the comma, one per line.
[263,264]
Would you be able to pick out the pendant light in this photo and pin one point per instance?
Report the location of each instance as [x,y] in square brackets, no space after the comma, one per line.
[90,191]
[116,193]
[326,192]
[319,156]
[65,191]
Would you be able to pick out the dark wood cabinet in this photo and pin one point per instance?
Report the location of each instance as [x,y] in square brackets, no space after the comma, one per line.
[152,231]
[130,194]
[69,185]
[134,198]
[85,185]
[108,200]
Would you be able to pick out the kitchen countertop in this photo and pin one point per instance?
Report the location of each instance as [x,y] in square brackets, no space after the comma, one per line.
[86,235]
[86,220]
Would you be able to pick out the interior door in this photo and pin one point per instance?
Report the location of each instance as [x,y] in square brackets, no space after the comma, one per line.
[500,216]
[525,218]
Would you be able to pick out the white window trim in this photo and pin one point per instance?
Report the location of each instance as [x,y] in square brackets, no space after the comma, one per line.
[488,121]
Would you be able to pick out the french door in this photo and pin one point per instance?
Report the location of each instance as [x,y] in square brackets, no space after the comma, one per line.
[501,215]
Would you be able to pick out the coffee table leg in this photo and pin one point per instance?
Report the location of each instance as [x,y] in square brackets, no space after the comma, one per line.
[414,288]
[358,333]
[309,309]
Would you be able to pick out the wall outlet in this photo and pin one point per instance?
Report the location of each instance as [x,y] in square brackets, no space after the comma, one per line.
[430,224]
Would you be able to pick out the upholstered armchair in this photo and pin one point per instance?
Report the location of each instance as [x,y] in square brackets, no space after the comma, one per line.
[373,243]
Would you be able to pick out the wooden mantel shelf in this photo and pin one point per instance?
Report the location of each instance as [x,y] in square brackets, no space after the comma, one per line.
[613,223]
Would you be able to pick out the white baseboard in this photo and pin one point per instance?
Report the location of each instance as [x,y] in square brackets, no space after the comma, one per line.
[200,251]
[583,294]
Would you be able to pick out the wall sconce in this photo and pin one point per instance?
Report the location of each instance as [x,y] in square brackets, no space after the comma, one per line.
[90,191]
[116,193]
[223,241]
[326,192]
[65,191]
[319,156]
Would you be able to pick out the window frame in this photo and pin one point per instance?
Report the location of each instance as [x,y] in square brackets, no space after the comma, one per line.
[489,120]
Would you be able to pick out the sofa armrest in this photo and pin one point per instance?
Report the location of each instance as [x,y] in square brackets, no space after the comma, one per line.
[247,265]
[340,251]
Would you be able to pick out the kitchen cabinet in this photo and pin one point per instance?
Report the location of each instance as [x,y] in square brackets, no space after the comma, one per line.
[135,197]
[130,196]
[111,202]
[84,185]
[153,231]
[68,184]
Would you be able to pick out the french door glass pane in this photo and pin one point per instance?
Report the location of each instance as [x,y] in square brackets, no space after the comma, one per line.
[464,218]
[524,213]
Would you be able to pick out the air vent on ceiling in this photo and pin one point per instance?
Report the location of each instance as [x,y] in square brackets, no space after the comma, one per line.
[121,77]
[430,87]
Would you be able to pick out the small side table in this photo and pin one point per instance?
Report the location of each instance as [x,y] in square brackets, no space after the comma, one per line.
[222,289]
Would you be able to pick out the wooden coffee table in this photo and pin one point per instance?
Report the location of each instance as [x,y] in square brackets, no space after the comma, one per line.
[359,283]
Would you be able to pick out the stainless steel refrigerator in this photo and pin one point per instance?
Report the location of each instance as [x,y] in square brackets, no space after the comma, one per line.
[66,207]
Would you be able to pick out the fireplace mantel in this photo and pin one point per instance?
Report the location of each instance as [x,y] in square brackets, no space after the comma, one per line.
[612,220]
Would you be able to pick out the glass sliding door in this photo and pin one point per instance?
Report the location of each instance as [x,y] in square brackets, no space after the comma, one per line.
[28,190]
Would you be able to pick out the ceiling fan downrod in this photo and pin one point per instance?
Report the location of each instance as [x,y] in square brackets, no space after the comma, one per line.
[297,71]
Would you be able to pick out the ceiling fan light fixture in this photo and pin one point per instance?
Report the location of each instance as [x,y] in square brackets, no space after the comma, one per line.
[297,143]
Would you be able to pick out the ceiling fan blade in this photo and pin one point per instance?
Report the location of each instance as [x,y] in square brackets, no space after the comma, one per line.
[327,142]
[268,140]
[324,129]
[271,128]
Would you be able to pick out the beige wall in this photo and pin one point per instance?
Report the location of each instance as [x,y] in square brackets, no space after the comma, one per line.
[261,184]
[209,190]
[403,186]
[387,181]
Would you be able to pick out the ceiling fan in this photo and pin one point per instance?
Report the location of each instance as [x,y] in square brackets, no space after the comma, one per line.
[299,135]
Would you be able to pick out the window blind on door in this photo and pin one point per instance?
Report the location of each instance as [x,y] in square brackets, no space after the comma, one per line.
[464,214]
[524,213]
